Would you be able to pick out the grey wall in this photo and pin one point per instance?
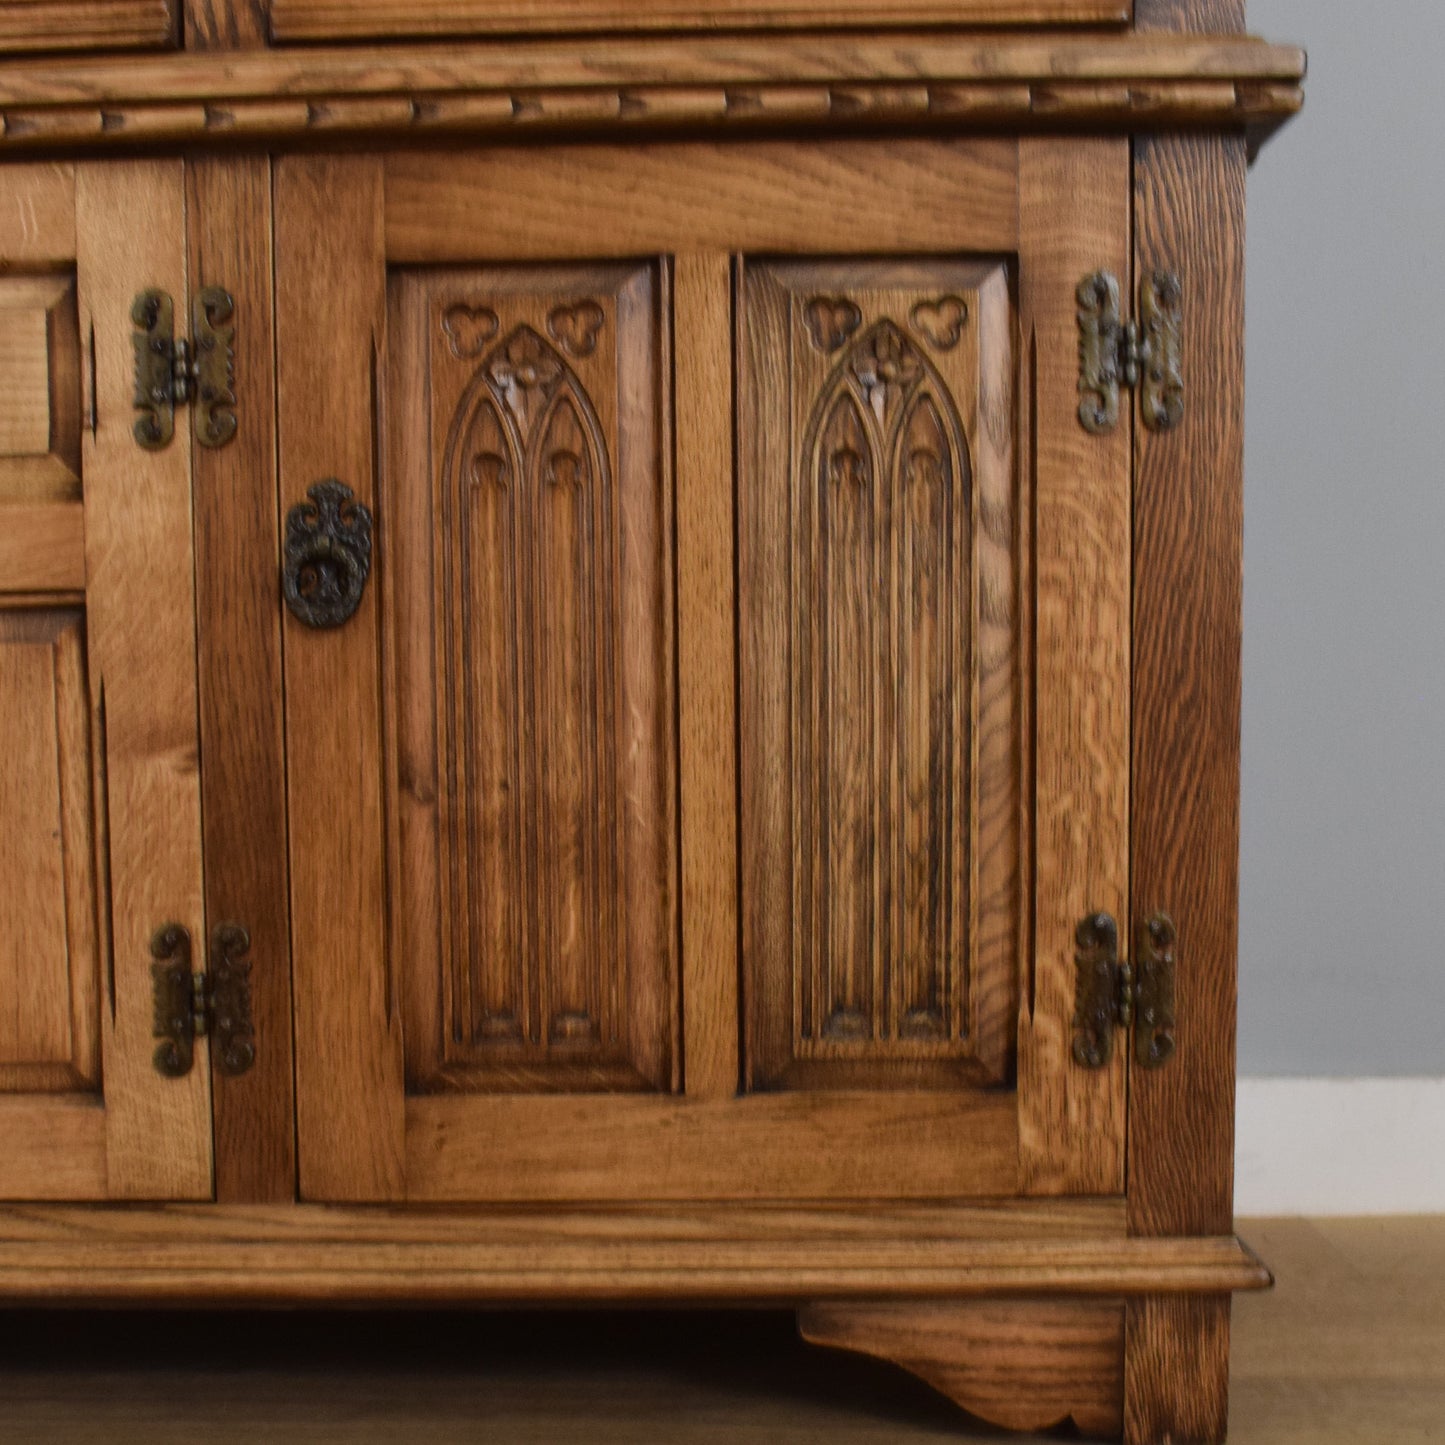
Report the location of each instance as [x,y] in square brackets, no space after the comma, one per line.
[1342,932]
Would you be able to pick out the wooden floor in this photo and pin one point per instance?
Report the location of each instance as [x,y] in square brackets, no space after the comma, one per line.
[1350,1348]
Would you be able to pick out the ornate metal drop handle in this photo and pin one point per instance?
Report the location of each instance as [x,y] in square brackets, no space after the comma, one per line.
[327,555]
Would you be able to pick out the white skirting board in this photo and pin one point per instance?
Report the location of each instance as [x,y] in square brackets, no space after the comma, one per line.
[1340,1147]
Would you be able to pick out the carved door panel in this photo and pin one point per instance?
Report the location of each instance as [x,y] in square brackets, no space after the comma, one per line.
[100,841]
[702,797]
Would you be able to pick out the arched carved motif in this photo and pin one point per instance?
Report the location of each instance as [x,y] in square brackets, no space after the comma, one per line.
[881,634]
[525,614]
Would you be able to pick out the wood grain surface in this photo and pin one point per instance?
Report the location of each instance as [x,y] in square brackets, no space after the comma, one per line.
[1349,1348]
[1021,1365]
[87,24]
[742,83]
[629,1252]
[330,306]
[244,779]
[1074,220]
[314,20]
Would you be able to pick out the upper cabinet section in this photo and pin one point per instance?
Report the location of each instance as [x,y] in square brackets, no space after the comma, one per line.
[312,20]
[40,25]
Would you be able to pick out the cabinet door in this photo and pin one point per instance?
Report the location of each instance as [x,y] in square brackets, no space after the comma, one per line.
[99,805]
[702,799]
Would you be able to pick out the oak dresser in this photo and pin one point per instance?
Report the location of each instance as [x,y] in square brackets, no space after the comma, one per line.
[619,667]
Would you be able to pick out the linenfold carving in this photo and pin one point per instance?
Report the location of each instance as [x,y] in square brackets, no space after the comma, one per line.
[881,634]
[526,602]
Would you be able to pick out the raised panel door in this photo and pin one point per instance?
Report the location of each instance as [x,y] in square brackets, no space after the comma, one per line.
[100,850]
[702,799]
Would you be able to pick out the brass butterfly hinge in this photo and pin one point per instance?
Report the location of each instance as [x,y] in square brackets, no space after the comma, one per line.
[216,1003]
[172,371]
[1113,994]
[1143,355]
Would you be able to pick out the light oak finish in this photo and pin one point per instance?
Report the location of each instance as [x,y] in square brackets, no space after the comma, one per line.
[42,547]
[37,216]
[669,875]
[243,783]
[1074,219]
[742,83]
[141,636]
[87,24]
[522,204]
[259,1253]
[331,318]
[707,733]
[1021,1365]
[363,19]
[40,384]
[1348,1348]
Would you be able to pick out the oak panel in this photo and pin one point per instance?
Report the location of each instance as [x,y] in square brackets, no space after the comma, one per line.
[1189,503]
[49,946]
[330,308]
[530,608]
[707,655]
[356,19]
[87,24]
[634,1252]
[42,547]
[1075,220]
[881,673]
[243,782]
[841,1145]
[140,618]
[1021,1365]
[55,1147]
[37,215]
[40,388]
[852,196]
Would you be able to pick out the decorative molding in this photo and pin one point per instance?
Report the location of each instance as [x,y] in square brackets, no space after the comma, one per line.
[749,85]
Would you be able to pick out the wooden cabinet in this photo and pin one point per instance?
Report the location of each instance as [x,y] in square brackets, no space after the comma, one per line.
[603,695]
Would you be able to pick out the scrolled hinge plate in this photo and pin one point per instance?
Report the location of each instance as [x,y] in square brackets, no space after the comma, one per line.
[1154,1016]
[153,317]
[175,1014]
[213,333]
[1111,993]
[229,999]
[171,371]
[190,1005]
[1097,990]
[1145,355]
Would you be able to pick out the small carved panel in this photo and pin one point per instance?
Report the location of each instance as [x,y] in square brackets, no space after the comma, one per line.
[881,761]
[544,586]
[39,389]
[49,954]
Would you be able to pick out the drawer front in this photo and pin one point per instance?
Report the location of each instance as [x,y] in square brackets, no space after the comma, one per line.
[30,25]
[311,20]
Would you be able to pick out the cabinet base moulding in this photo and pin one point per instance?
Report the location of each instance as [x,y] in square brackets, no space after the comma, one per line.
[756,1254]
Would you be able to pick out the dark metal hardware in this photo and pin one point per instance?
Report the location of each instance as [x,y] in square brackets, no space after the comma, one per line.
[327,555]
[190,1005]
[175,999]
[230,999]
[171,371]
[1111,994]
[1115,353]
[1154,992]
